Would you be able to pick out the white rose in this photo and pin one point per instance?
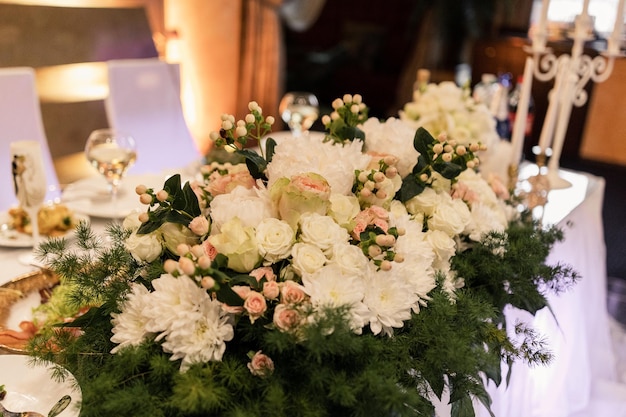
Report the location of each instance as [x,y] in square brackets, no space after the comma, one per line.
[251,206]
[444,247]
[450,216]
[144,248]
[350,258]
[307,258]
[343,209]
[132,221]
[174,234]
[321,231]
[425,202]
[275,239]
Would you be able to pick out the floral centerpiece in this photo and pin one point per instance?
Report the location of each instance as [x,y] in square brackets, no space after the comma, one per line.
[450,109]
[362,273]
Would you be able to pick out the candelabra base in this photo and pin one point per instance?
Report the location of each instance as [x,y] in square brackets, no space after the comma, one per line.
[555,180]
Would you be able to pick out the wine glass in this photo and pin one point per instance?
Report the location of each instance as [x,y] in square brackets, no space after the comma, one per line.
[29,179]
[299,109]
[111,152]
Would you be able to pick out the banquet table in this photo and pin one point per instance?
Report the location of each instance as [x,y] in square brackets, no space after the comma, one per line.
[582,380]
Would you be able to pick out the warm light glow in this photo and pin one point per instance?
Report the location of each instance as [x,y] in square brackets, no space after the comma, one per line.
[72,82]
[79,3]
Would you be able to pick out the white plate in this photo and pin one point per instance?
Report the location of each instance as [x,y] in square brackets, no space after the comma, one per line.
[14,239]
[33,388]
[91,195]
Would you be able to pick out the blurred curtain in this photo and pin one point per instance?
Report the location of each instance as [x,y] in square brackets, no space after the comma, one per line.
[262,56]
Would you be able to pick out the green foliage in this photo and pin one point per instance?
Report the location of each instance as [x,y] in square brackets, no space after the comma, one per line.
[448,163]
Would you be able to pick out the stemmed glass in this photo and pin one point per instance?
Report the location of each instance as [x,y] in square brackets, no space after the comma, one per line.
[299,109]
[111,152]
[29,179]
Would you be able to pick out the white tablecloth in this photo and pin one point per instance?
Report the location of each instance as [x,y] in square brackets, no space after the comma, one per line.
[582,380]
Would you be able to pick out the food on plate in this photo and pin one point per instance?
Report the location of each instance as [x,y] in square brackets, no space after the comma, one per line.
[54,220]
[3,392]
[18,339]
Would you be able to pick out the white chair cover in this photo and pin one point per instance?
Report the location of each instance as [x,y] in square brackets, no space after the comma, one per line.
[144,101]
[20,119]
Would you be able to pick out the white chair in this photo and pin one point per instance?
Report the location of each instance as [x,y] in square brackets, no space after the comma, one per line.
[144,101]
[20,119]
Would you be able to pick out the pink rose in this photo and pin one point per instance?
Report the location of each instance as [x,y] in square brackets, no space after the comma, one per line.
[199,225]
[292,293]
[303,193]
[286,318]
[263,272]
[261,365]
[271,290]
[255,305]
[224,184]
[242,291]
[209,249]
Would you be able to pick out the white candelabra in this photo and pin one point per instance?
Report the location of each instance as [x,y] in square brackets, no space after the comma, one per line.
[571,73]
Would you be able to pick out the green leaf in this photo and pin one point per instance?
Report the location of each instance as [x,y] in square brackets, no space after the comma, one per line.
[422,141]
[484,398]
[411,187]
[255,163]
[226,295]
[172,184]
[191,201]
[437,385]
[447,170]
[422,164]
[463,407]
[350,133]
[270,146]
[157,217]
[493,371]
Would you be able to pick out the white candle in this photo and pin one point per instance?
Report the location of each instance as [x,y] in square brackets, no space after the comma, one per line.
[615,39]
[519,127]
[541,32]
[547,131]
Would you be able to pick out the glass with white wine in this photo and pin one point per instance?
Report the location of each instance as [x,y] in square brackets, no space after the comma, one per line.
[299,109]
[111,152]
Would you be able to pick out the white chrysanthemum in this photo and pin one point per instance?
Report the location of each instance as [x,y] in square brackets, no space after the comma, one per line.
[129,326]
[392,137]
[202,337]
[250,205]
[451,283]
[331,286]
[336,163]
[389,300]
[173,299]
[417,269]
[485,219]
